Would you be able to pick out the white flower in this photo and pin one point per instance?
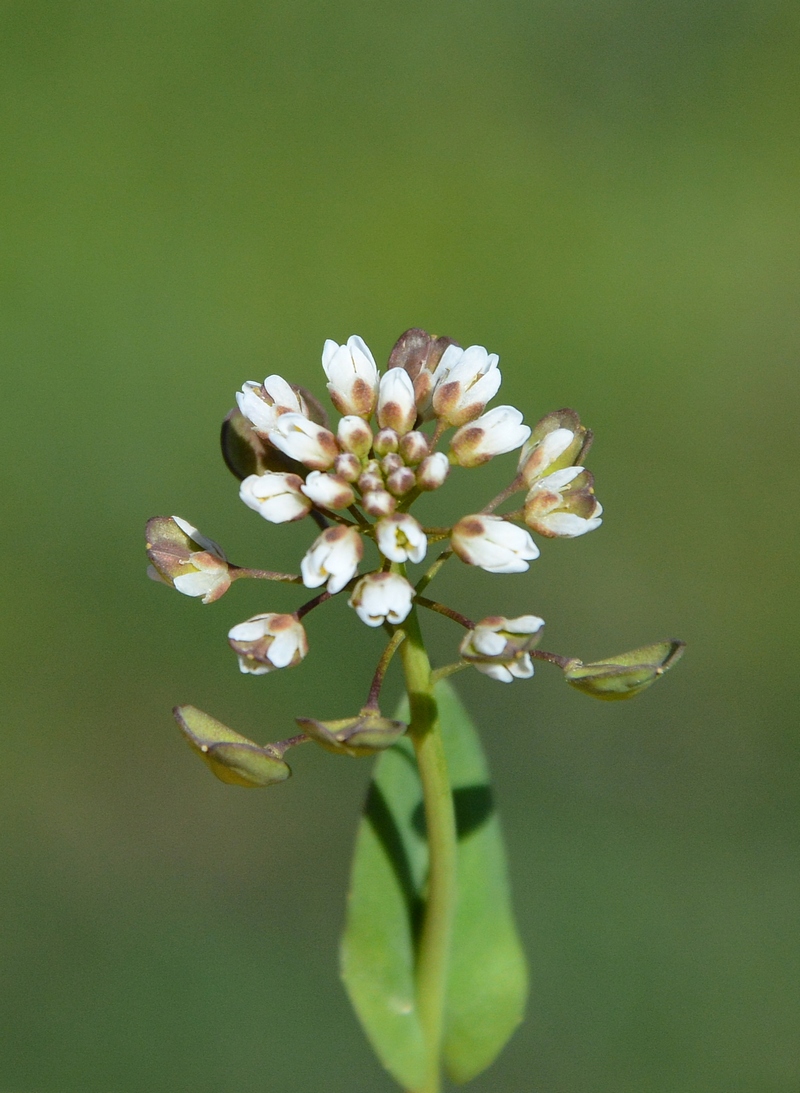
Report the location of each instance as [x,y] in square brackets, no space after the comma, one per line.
[433,471]
[496,432]
[352,375]
[493,544]
[499,647]
[267,642]
[304,440]
[537,455]
[400,538]
[397,407]
[465,380]
[563,504]
[263,404]
[382,597]
[276,496]
[333,557]
[194,572]
[328,490]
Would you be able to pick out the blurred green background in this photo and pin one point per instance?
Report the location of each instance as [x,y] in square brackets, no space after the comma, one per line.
[196,194]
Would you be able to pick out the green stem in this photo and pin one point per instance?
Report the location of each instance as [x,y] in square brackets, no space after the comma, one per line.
[437,926]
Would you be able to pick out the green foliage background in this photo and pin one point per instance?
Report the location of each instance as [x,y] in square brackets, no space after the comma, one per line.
[198,193]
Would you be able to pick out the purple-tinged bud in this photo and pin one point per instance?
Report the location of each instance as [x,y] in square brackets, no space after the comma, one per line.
[184,559]
[348,466]
[378,502]
[414,447]
[401,482]
[419,353]
[328,490]
[267,642]
[354,435]
[498,431]
[397,408]
[386,441]
[433,471]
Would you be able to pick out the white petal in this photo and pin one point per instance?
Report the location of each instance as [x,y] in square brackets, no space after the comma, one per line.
[196,584]
[282,649]
[568,526]
[252,630]
[525,624]
[495,671]
[487,642]
[522,668]
[559,479]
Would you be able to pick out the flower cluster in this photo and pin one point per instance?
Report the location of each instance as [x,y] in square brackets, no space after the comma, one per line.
[398,435]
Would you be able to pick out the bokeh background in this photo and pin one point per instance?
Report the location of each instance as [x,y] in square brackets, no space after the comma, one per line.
[199,193]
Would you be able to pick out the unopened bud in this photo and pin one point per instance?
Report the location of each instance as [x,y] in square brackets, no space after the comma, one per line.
[232,757]
[391,462]
[354,736]
[267,642]
[496,432]
[386,441]
[185,559]
[414,447]
[371,477]
[301,439]
[397,408]
[328,490]
[563,504]
[348,466]
[401,482]
[353,376]
[493,543]
[378,502]
[433,471]
[279,498]
[354,435]
[558,440]
[625,675]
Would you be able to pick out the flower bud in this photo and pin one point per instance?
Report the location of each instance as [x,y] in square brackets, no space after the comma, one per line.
[400,538]
[558,440]
[563,504]
[386,441]
[464,382]
[233,758]
[276,497]
[419,353]
[328,490]
[263,403]
[185,559]
[391,462]
[267,642]
[397,408]
[493,544]
[371,477]
[246,452]
[433,471]
[378,502]
[414,447]
[348,466]
[354,736]
[333,557]
[382,597]
[353,376]
[354,435]
[499,647]
[499,431]
[304,440]
[401,482]
[625,675]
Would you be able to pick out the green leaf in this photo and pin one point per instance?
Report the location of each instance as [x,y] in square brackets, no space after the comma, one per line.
[487,984]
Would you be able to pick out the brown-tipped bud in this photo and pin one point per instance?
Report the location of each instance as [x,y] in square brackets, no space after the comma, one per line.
[184,559]
[329,491]
[267,642]
[378,503]
[498,431]
[563,504]
[558,440]
[625,675]
[371,477]
[246,453]
[401,482]
[354,435]
[433,471]
[354,736]
[386,441]
[419,353]
[397,408]
[414,447]
[391,462]
[348,466]
[232,757]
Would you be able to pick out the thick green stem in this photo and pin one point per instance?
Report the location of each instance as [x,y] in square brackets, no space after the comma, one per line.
[437,926]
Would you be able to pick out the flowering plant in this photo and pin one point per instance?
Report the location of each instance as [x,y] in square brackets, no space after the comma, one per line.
[430,955]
